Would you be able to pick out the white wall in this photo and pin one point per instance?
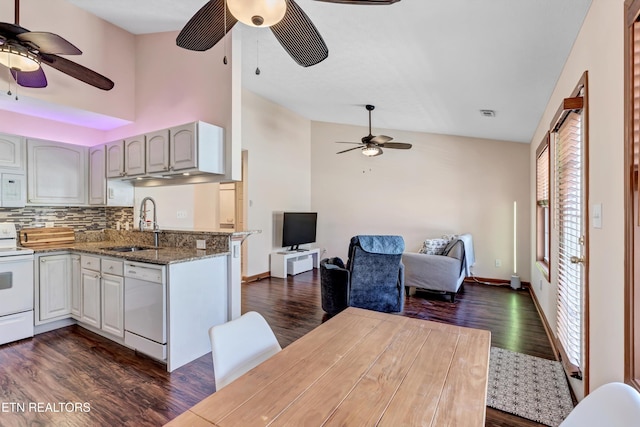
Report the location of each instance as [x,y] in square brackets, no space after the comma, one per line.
[444,184]
[278,145]
[198,203]
[598,49]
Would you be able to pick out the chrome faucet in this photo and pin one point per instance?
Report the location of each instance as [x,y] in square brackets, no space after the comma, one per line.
[143,218]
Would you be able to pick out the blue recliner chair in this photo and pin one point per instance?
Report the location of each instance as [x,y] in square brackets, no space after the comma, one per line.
[373,277]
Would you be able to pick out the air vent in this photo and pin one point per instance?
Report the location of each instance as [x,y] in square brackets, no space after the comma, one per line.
[488,113]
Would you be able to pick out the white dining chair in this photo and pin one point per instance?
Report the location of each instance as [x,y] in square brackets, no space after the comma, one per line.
[240,345]
[611,405]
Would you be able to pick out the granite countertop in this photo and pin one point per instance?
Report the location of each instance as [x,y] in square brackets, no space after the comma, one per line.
[161,255]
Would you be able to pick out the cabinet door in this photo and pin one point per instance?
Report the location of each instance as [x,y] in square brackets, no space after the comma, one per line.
[97,176]
[134,156]
[184,148]
[57,173]
[158,151]
[90,298]
[113,304]
[11,152]
[115,159]
[76,288]
[55,286]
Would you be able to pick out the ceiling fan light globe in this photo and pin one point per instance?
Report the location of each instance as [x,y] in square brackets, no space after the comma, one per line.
[18,58]
[371,151]
[258,13]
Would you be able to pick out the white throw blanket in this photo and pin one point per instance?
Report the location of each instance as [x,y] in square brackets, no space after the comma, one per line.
[470,256]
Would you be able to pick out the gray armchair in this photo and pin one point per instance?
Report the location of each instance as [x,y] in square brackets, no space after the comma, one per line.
[373,277]
[441,273]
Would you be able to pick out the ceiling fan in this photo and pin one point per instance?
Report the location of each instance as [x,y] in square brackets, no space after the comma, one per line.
[23,52]
[288,22]
[373,145]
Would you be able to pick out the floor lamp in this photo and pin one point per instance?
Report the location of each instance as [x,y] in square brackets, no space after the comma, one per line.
[515,279]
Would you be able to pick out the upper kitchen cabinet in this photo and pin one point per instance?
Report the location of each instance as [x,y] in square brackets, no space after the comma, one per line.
[115,159]
[198,146]
[12,152]
[158,151]
[97,180]
[101,191]
[57,173]
[134,156]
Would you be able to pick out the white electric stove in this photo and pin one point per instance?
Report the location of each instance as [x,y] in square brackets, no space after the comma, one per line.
[16,287]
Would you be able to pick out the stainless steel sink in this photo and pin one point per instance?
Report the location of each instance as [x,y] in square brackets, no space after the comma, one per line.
[126,248]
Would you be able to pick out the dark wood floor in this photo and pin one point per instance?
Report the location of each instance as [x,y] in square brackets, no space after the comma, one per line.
[72,365]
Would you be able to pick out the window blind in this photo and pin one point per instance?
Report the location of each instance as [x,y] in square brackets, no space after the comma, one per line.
[569,221]
[542,177]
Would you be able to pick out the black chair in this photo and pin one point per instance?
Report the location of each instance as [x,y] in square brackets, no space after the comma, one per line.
[372,279]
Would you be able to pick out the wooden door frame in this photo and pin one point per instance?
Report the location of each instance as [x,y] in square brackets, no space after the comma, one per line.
[569,104]
[632,12]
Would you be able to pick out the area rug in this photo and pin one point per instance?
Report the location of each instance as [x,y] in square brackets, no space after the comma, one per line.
[528,386]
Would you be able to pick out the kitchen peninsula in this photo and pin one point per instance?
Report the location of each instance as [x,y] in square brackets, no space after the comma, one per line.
[160,301]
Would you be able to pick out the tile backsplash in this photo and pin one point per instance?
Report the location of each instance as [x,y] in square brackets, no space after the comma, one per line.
[81,219]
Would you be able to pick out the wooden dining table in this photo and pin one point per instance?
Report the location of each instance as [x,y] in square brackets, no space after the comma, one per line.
[360,368]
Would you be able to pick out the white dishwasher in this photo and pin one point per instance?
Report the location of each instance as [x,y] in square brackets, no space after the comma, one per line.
[145,309]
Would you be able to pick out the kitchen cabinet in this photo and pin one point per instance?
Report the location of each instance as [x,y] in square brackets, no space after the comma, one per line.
[97,176]
[134,156]
[103,294]
[56,174]
[12,152]
[115,159]
[112,297]
[158,151]
[197,145]
[76,287]
[103,191]
[54,272]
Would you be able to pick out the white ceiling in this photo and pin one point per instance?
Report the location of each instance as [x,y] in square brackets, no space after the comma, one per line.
[427,65]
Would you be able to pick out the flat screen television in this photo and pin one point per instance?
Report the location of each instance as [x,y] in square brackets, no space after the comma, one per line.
[298,228]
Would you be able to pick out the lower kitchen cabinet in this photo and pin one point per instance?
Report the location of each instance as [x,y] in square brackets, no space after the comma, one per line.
[76,287]
[54,293]
[103,294]
[91,298]
[113,304]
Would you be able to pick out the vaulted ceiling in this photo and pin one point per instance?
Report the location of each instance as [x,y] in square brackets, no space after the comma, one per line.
[427,65]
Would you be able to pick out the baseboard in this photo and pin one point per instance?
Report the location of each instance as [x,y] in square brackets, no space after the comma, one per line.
[545,324]
[256,277]
[492,281]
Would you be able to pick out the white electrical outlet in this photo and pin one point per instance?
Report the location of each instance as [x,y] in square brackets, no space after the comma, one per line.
[201,244]
[498,263]
[181,214]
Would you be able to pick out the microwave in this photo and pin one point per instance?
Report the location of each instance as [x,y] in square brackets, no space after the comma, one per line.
[13,190]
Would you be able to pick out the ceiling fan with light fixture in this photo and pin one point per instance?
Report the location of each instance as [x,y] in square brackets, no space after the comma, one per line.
[287,21]
[372,145]
[23,51]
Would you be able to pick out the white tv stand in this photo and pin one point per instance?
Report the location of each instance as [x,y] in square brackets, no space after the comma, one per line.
[294,262]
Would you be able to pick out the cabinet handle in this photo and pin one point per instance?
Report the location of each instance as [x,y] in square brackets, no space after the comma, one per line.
[43,261]
[111,267]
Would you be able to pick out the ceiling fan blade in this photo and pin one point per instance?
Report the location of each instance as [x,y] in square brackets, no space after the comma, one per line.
[299,37]
[398,145]
[363,2]
[35,78]
[348,149]
[380,139]
[206,27]
[347,142]
[77,71]
[10,31]
[49,43]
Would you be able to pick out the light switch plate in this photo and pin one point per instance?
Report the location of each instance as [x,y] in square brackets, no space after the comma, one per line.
[597,215]
[201,244]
